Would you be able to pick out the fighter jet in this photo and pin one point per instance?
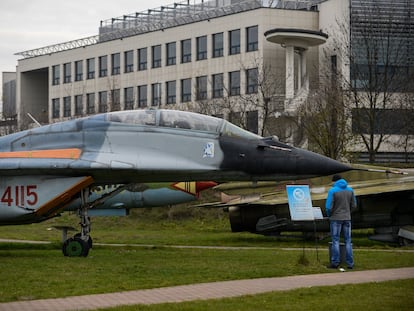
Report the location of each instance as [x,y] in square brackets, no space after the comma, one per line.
[384,202]
[45,168]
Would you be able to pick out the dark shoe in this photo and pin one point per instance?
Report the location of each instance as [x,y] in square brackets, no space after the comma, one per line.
[350,268]
[331,266]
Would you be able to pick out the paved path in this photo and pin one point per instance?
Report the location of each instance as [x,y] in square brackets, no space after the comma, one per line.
[205,291]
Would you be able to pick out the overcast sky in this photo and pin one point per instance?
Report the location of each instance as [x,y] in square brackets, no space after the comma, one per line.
[31,24]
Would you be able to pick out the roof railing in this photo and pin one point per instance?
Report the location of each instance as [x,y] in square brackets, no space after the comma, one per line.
[176,14]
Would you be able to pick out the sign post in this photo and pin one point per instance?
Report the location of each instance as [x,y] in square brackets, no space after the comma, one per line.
[300,206]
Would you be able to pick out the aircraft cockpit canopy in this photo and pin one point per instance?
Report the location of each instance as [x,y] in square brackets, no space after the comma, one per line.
[179,119]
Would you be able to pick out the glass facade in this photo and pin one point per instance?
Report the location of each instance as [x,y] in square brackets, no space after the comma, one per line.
[382,45]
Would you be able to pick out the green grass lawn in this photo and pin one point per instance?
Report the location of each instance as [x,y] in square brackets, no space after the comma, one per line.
[41,271]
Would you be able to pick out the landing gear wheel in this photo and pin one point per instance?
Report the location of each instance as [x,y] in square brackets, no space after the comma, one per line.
[90,242]
[75,247]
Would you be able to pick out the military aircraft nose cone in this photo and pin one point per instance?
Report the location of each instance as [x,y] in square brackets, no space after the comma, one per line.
[313,163]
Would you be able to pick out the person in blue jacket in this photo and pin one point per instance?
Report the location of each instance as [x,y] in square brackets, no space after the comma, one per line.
[339,205]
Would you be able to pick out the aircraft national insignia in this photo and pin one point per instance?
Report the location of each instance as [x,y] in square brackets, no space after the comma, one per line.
[208,150]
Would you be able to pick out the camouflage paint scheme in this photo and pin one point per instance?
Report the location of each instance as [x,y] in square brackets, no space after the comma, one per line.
[54,162]
[44,169]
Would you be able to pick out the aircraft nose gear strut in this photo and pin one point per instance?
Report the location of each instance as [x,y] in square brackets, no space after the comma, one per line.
[79,245]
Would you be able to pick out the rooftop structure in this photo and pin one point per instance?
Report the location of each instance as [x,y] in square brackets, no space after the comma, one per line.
[178,13]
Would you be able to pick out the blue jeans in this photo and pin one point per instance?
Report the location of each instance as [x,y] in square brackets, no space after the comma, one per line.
[338,226]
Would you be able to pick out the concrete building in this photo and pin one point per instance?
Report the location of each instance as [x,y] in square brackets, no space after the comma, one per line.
[178,56]
[251,61]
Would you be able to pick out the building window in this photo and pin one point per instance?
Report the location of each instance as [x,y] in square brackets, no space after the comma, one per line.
[185,90]
[186,51]
[66,107]
[251,81]
[234,83]
[55,108]
[142,59]
[90,103]
[201,85]
[236,118]
[90,64]
[234,42]
[202,48]
[171,53]
[103,66]
[156,56]
[78,105]
[253,121]
[129,61]
[218,44]
[383,121]
[56,75]
[252,40]
[115,100]
[79,70]
[171,92]
[116,64]
[217,85]
[103,101]
[67,73]
[156,94]
[129,98]
[142,96]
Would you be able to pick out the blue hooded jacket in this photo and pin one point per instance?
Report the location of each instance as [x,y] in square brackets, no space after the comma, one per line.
[340,201]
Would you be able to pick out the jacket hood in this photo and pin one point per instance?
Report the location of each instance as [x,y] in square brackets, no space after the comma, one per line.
[341,183]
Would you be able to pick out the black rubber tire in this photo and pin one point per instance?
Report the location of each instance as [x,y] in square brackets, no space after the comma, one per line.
[75,247]
[90,242]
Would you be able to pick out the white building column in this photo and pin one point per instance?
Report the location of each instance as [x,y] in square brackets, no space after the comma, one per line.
[290,72]
[303,66]
[299,40]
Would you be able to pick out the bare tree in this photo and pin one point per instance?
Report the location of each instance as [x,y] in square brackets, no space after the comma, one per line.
[324,118]
[263,93]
